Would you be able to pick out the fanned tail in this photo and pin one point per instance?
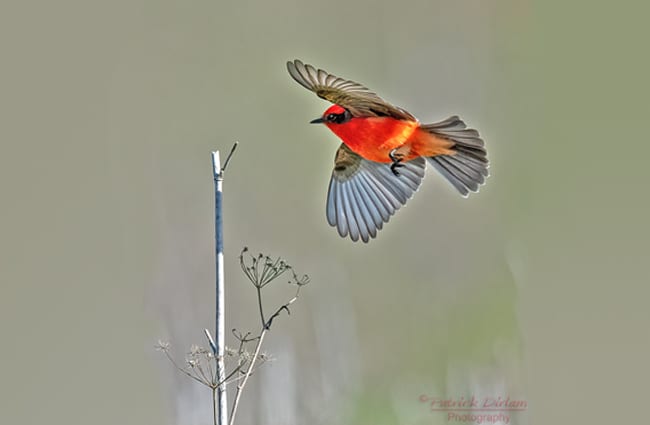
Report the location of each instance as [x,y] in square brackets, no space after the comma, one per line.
[467,168]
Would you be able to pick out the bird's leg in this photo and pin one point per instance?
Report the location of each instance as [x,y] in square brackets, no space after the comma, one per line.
[397,159]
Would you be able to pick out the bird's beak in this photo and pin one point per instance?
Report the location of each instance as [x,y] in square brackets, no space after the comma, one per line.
[316,121]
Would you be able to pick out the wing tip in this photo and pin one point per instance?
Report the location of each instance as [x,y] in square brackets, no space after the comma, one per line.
[294,63]
[303,74]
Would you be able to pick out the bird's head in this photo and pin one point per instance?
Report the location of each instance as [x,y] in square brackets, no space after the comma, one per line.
[334,115]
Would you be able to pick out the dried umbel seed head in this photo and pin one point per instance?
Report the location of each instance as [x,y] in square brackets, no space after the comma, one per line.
[261,269]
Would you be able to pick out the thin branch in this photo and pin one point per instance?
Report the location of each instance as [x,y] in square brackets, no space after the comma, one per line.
[243,339]
[183,370]
[234,371]
[259,304]
[215,352]
[225,164]
[267,325]
[213,346]
[212,372]
[241,376]
[203,374]
[241,386]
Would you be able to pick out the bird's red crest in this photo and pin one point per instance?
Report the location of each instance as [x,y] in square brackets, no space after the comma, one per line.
[334,109]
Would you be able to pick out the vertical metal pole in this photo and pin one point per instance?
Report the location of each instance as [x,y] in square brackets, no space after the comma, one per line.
[220,305]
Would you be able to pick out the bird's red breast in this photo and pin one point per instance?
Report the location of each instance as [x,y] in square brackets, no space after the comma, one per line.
[375,137]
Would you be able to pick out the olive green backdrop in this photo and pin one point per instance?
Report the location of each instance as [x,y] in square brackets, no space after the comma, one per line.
[535,288]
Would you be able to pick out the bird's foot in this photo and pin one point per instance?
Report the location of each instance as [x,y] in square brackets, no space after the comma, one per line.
[397,159]
[394,166]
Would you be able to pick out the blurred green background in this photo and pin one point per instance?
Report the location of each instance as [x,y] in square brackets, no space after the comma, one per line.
[534,288]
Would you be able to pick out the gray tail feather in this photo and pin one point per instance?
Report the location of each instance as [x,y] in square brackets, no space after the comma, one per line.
[467,168]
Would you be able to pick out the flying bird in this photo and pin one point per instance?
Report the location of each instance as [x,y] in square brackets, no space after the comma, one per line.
[381,162]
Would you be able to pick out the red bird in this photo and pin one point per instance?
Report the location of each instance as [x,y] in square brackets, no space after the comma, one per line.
[381,162]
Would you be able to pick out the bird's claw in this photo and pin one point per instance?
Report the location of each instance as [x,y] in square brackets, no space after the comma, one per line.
[394,166]
[397,159]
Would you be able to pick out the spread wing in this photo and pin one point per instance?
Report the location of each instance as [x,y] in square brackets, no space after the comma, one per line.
[363,194]
[352,96]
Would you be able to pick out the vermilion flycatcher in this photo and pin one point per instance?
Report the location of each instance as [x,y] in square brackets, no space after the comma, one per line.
[366,187]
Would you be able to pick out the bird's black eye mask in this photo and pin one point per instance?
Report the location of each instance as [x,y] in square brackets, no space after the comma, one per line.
[341,118]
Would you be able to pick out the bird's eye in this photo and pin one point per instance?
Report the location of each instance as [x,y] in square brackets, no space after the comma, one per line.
[339,118]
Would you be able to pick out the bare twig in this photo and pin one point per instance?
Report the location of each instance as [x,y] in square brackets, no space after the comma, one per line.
[242,384]
[225,164]
[180,369]
[213,346]
[279,310]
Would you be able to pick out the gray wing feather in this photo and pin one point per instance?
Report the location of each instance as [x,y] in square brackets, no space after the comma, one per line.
[341,214]
[372,222]
[364,194]
[331,204]
[358,99]
[349,214]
